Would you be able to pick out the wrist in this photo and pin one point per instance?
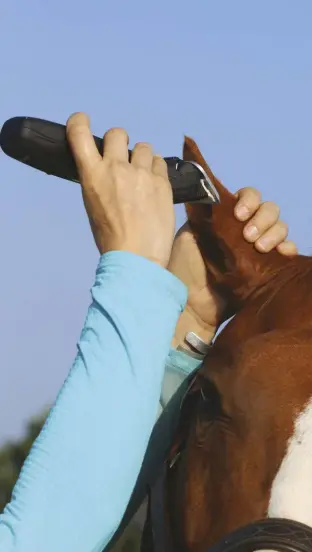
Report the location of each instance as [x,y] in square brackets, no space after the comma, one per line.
[188,322]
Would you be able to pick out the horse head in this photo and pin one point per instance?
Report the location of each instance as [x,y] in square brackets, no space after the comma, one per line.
[248,441]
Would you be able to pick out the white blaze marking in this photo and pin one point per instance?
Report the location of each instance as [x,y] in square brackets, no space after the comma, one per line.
[291,492]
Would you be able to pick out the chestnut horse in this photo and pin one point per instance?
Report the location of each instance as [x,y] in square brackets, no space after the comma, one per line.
[247,451]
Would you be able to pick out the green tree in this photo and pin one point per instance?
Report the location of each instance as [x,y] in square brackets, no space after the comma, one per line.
[12,457]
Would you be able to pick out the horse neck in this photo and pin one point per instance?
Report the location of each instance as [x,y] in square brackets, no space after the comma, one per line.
[248,462]
[283,301]
[233,476]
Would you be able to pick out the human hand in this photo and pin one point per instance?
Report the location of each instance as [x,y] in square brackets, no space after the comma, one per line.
[129,204]
[204,309]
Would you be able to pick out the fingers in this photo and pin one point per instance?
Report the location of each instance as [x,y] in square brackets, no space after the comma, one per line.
[264,229]
[287,247]
[142,156]
[266,217]
[115,145]
[81,142]
[160,170]
[248,202]
[272,237]
[159,167]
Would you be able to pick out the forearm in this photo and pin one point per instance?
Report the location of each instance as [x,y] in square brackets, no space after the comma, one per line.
[189,322]
[79,476]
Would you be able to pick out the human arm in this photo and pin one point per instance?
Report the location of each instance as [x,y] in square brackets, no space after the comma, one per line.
[112,389]
[78,478]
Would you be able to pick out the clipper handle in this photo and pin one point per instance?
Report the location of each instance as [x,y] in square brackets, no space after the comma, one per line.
[43,145]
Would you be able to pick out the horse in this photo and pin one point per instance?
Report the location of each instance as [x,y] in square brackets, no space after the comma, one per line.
[244,439]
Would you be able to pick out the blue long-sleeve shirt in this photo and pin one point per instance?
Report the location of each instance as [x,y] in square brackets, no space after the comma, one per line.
[79,475]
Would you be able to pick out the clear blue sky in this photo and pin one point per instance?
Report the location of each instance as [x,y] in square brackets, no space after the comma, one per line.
[235,75]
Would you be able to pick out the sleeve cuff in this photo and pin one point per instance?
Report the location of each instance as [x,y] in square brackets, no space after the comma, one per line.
[152,271]
[182,362]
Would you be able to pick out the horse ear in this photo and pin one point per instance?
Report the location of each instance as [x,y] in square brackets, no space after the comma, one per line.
[197,212]
[220,235]
[191,152]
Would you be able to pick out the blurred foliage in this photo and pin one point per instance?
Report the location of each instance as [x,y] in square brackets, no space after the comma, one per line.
[12,457]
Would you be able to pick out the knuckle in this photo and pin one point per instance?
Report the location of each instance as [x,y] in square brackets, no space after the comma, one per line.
[250,190]
[117,132]
[144,145]
[143,174]
[74,116]
[250,193]
[240,193]
[272,207]
[159,160]
[293,247]
[284,226]
[116,167]
[76,121]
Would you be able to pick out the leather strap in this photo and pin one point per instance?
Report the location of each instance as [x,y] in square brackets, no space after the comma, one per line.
[281,535]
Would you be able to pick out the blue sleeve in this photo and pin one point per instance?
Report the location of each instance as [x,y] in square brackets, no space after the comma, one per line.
[79,475]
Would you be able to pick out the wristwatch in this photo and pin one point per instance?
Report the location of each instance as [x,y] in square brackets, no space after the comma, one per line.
[200,347]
